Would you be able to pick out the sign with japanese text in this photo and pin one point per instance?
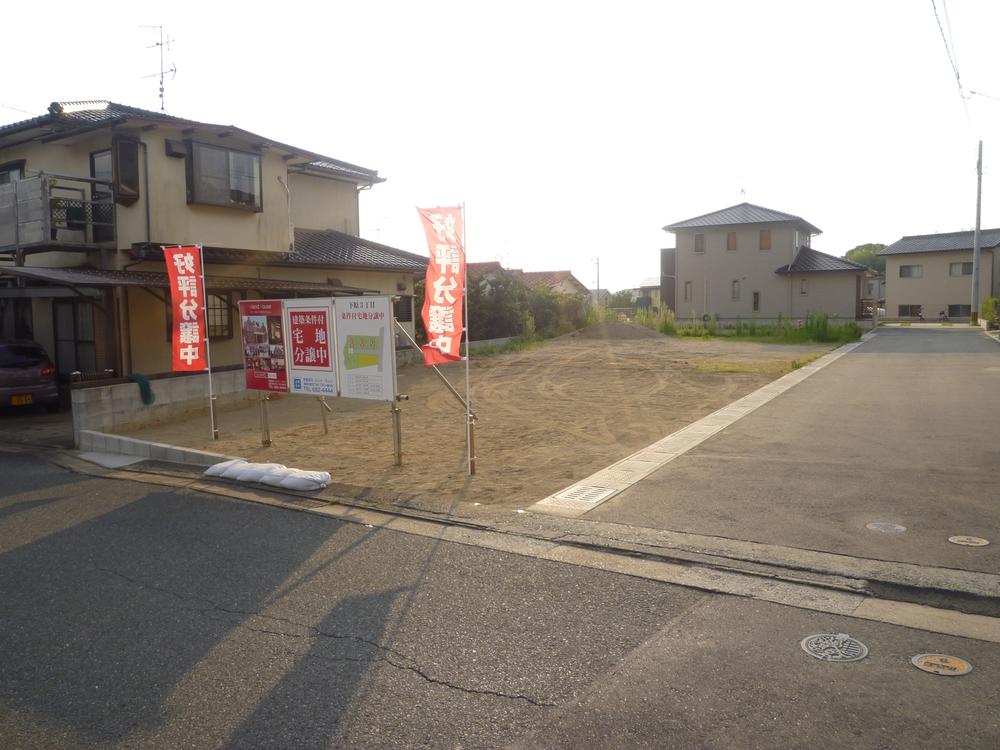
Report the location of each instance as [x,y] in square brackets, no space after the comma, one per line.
[263,339]
[312,361]
[365,347]
[187,299]
[442,312]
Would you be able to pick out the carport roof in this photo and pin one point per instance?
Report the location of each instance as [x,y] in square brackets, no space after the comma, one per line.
[989,239]
[90,277]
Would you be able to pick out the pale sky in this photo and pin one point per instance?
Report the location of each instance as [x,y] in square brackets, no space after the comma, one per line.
[571,130]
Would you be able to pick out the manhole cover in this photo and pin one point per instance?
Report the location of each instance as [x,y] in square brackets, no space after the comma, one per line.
[834,647]
[886,528]
[950,666]
[968,541]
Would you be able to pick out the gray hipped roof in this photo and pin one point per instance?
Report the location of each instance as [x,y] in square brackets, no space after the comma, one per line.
[743,213]
[939,243]
[808,260]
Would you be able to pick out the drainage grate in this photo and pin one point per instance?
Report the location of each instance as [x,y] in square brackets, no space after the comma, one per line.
[585,493]
[838,647]
[886,528]
[949,666]
[968,541]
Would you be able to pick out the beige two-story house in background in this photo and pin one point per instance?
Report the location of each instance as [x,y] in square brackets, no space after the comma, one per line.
[749,262]
[90,191]
[930,274]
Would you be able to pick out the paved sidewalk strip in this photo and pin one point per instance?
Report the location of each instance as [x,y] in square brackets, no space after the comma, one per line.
[586,494]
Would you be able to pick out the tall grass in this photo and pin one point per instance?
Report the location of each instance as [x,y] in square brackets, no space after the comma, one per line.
[817,328]
[663,321]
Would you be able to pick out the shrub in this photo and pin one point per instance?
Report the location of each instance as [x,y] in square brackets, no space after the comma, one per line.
[990,312]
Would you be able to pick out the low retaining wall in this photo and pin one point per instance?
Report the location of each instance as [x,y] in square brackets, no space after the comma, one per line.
[99,442]
[112,408]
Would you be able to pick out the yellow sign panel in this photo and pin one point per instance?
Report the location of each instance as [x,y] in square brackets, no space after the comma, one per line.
[950,666]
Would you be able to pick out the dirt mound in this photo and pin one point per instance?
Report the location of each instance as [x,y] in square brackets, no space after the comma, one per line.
[616,330]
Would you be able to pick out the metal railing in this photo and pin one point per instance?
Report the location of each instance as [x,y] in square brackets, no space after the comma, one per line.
[56,209]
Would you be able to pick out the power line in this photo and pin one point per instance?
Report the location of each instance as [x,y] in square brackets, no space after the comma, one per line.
[951,56]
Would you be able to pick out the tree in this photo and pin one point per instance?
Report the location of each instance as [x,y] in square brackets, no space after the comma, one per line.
[867,255]
[621,299]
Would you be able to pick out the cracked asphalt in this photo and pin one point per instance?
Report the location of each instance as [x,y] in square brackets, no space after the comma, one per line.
[136,616]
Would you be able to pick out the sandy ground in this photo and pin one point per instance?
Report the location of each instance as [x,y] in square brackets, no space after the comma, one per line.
[546,417]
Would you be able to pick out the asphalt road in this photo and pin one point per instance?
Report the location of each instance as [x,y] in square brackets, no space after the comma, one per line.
[138,617]
[903,430]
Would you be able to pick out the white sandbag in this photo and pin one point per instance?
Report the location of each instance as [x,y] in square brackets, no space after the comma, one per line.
[253,472]
[319,477]
[273,477]
[233,471]
[217,470]
[303,484]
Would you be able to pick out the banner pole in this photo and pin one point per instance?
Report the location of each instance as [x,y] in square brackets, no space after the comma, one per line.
[470,427]
[208,347]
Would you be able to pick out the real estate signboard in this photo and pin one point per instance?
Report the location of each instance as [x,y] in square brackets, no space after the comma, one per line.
[366,347]
[264,345]
[312,366]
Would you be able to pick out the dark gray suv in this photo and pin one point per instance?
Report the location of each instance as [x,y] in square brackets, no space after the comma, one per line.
[27,376]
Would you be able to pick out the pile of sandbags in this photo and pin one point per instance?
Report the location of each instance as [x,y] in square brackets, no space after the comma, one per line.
[274,475]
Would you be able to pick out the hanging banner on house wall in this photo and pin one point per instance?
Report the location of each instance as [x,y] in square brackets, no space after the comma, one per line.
[311,358]
[442,312]
[187,300]
[263,336]
[366,353]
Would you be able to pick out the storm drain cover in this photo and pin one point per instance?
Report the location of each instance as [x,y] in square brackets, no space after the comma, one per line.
[585,493]
[886,528]
[968,541]
[949,666]
[834,647]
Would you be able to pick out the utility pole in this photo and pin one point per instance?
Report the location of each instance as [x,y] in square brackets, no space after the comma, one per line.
[974,312]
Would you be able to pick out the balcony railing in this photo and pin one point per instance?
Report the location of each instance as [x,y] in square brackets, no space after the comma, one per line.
[56,210]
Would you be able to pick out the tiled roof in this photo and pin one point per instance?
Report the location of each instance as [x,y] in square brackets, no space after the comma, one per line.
[743,213]
[323,248]
[90,277]
[489,266]
[808,260]
[329,247]
[649,282]
[70,116]
[939,243]
[550,279]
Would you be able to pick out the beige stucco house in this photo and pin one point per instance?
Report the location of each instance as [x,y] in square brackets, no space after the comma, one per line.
[749,262]
[90,191]
[928,274]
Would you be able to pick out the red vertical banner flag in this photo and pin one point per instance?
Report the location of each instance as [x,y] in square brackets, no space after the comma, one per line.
[445,289]
[187,303]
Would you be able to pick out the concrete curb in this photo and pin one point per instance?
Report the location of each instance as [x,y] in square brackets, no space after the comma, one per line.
[102,442]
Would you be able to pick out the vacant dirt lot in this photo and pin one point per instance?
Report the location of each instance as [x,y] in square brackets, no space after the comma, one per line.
[546,417]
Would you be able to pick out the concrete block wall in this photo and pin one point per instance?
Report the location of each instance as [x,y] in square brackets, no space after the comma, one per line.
[114,408]
[99,442]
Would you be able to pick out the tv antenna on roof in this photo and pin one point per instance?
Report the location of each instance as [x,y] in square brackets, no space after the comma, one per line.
[163,44]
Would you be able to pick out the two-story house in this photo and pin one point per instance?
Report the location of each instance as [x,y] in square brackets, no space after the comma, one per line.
[747,261]
[930,274]
[90,191]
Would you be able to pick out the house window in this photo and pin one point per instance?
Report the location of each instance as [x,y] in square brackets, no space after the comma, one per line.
[756,301]
[11,171]
[699,243]
[218,314]
[910,311]
[911,272]
[125,160]
[960,269]
[223,177]
[804,286]
[731,242]
[960,311]
[736,289]
[687,291]
[765,239]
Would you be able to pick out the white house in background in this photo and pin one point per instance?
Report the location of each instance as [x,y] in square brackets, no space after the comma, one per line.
[750,262]
[928,274]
